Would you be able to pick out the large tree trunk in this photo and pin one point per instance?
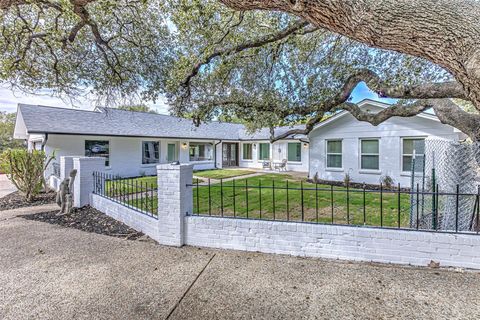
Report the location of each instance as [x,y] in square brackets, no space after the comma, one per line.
[446,32]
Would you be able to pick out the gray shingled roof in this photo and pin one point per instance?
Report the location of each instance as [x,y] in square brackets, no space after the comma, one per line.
[114,122]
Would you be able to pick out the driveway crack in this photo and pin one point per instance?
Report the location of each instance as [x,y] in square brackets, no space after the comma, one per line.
[189,287]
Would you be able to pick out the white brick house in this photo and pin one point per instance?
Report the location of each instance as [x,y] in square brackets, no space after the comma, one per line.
[133,143]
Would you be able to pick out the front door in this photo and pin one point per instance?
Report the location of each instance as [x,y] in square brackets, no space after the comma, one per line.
[230,155]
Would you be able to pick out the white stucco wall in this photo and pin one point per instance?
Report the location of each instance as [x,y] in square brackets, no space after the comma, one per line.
[125,152]
[390,134]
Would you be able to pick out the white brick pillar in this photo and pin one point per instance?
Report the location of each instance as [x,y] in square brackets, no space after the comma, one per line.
[66,165]
[83,185]
[175,200]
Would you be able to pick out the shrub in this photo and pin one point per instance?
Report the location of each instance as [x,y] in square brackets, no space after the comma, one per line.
[387,181]
[25,169]
[316,179]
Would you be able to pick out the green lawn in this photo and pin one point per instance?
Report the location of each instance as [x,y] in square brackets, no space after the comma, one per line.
[317,204]
[222,173]
[235,202]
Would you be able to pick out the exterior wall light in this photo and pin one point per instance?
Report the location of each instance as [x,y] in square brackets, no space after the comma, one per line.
[305,145]
[184,145]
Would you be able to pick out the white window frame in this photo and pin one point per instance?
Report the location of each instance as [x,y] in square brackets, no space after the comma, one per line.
[251,146]
[362,170]
[269,151]
[205,143]
[143,153]
[327,153]
[301,155]
[109,167]
[407,154]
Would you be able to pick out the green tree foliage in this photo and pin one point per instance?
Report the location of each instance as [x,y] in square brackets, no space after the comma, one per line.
[267,68]
[137,108]
[25,169]
[7,126]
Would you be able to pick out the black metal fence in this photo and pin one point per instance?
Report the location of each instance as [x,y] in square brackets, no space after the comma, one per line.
[134,193]
[299,201]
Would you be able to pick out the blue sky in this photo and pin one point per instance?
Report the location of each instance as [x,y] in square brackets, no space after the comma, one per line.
[10,99]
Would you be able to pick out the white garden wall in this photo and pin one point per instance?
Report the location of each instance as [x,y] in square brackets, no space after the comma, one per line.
[130,217]
[334,242]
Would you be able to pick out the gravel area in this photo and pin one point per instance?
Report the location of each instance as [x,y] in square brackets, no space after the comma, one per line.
[51,272]
[15,200]
[88,219]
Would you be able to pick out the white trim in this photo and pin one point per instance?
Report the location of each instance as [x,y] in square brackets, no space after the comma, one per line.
[360,154]
[407,173]
[241,151]
[326,155]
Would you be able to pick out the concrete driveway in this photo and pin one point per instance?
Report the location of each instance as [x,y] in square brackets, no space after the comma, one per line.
[6,187]
[52,272]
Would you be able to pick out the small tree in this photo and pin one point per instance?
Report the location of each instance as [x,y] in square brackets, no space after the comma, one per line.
[25,169]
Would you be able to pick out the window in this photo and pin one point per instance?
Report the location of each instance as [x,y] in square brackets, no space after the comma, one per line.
[334,154]
[264,152]
[369,154]
[247,151]
[409,146]
[150,150]
[295,151]
[200,151]
[97,148]
[171,152]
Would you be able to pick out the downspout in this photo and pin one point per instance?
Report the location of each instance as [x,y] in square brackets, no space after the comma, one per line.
[44,142]
[215,153]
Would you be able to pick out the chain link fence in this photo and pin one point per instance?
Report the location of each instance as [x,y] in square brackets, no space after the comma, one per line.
[447,176]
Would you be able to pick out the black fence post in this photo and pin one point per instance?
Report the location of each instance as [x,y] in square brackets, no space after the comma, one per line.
[398,206]
[331,203]
[260,197]
[198,198]
[234,205]
[316,202]
[273,197]
[221,196]
[348,204]
[288,205]
[209,199]
[456,207]
[246,195]
[381,205]
[364,211]
[301,195]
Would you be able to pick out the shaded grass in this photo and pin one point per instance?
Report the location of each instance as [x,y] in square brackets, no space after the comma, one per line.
[222,173]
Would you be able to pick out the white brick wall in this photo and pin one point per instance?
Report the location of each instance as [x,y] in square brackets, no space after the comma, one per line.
[83,185]
[175,200]
[130,217]
[335,242]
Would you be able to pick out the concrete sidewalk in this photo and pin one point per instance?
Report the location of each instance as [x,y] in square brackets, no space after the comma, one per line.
[52,272]
[6,187]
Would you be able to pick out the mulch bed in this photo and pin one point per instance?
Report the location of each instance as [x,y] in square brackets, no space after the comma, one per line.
[90,220]
[356,185]
[15,200]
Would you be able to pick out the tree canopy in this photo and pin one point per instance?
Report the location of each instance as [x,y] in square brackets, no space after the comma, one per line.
[7,126]
[283,64]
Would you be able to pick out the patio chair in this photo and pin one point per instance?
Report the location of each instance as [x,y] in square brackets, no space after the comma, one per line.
[281,166]
[266,165]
